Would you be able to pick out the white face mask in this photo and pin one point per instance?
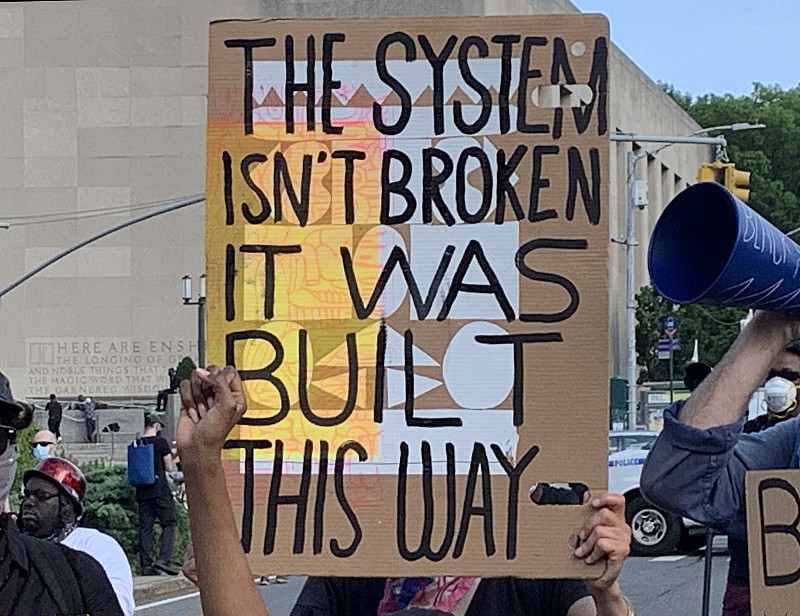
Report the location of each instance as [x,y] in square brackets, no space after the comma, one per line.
[42,452]
[780,396]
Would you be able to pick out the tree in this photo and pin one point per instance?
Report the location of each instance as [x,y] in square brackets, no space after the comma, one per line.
[714,328]
[185,367]
[770,154]
[25,462]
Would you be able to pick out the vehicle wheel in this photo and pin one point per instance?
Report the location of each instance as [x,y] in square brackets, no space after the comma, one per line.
[654,531]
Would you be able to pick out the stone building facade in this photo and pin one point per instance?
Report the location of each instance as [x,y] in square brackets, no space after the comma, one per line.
[102,114]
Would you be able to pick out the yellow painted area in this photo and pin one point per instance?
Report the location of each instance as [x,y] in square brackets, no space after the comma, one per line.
[310,288]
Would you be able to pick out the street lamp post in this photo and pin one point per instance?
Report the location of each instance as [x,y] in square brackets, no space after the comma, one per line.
[630,242]
[200,302]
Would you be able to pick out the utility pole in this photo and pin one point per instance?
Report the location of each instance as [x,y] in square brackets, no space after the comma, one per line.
[68,251]
[634,200]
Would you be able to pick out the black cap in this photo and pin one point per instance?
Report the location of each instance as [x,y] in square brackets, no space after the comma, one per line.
[695,373]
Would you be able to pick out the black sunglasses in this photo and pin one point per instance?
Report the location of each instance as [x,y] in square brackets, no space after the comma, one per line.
[8,435]
[45,443]
[38,495]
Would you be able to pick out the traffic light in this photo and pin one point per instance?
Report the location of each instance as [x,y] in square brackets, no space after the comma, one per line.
[710,172]
[737,182]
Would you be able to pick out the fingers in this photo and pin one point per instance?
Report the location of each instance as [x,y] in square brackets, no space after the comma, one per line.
[188,405]
[198,395]
[611,501]
[185,390]
[601,517]
[213,371]
[237,389]
[223,396]
[606,534]
[604,541]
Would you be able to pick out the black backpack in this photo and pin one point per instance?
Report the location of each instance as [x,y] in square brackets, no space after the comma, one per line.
[58,575]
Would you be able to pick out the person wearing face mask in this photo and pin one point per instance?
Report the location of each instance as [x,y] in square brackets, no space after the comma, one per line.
[696,468]
[780,402]
[51,507]
[39,577]
[44,445]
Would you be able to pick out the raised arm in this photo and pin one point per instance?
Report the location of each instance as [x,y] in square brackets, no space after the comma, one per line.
[722,397]
[696,467]
[212,402]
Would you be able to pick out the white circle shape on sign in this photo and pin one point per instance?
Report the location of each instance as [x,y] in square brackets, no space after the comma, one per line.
[578,48]
[477,375]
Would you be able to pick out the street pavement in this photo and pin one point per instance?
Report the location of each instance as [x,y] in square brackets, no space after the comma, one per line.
[662,586]
[279,599]
[670,585]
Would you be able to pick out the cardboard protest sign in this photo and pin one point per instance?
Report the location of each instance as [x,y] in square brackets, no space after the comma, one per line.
[773,537]
[407,260]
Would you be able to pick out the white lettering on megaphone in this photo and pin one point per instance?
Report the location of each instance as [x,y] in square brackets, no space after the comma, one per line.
[787,299]
[759,227]
[758,296]
[738,288]
[749,226]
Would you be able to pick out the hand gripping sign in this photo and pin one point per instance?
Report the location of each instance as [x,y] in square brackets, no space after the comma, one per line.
[406,244]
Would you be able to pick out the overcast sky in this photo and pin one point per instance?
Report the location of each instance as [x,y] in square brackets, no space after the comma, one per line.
[702,46]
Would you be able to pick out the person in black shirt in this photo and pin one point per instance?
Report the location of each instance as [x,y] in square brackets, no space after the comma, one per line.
[54,412]
[174,383]
[38,578]
[340,596]
[213,402]
[506,596]
[155,501]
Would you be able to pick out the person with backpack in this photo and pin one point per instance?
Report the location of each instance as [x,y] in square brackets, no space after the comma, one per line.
[40,578]
[153,496]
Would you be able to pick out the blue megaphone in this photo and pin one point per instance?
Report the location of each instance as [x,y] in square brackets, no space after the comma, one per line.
[709,247]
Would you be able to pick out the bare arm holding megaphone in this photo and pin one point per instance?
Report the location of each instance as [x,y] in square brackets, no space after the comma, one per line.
[709,247]
[724,394]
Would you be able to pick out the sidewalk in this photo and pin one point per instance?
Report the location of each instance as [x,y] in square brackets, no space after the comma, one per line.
[149,587]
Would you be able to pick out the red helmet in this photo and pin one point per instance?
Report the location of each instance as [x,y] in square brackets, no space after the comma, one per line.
[64,473]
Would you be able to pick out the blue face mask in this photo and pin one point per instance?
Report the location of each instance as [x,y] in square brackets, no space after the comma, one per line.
[42,452]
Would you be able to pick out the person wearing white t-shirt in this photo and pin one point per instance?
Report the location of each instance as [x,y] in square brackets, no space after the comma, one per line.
[105,550]
[54,517]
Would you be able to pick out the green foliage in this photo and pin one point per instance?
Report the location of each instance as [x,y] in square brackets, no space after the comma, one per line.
[684,99]
[771,154]
[25,462]
[110,503]
[185,367]
[714,328]
[110,506]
